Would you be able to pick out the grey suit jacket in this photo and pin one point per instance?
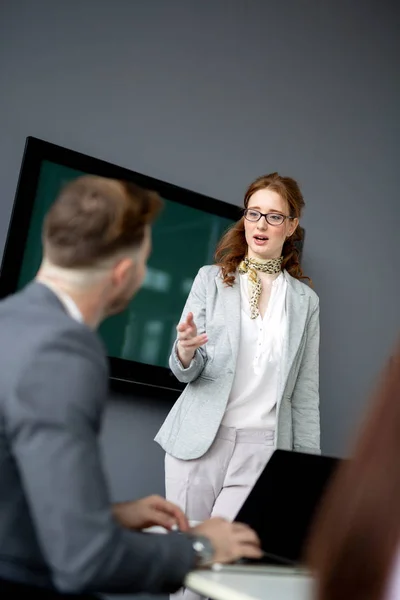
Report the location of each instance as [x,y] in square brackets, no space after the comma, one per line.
[192,424]
[56,525]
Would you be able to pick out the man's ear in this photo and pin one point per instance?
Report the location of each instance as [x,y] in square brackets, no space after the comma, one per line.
[121,270]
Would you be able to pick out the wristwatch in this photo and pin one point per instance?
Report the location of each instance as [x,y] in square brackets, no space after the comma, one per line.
[204,550]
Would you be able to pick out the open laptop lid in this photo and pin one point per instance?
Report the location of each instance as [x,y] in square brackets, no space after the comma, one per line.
[283,502]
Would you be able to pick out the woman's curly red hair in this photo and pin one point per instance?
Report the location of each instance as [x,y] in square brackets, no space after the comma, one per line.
[232,247]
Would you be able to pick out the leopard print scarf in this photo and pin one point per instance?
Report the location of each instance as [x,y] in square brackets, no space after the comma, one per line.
[251,266]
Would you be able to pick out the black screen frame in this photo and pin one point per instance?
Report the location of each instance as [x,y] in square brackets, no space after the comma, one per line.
[125,375]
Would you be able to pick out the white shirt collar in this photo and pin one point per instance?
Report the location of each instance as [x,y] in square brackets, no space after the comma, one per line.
[66,300]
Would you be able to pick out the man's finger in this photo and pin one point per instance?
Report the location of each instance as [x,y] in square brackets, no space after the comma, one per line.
[175,513]
[161,518]
[249,551]
[246,535]
[181,519]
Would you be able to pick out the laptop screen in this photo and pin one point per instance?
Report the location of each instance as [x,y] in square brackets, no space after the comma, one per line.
[284,500]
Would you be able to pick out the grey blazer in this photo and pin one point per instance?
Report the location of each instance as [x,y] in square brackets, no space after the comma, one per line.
[56,525]
[192,424]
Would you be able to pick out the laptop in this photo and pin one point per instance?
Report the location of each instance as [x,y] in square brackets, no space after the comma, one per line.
[283,502]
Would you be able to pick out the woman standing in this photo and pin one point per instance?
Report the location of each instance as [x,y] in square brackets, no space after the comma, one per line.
[247,347]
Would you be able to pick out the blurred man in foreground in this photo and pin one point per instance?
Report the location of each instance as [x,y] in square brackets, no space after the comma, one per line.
[58,529]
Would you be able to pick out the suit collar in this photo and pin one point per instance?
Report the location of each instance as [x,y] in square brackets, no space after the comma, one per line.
[39,292]
[43,294]
[68,303]
[297,311]
[231,300]
[294,283]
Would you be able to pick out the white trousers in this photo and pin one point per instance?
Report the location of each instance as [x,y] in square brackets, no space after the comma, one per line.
[218,483]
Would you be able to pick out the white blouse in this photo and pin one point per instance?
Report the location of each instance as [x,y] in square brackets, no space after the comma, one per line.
[254,394]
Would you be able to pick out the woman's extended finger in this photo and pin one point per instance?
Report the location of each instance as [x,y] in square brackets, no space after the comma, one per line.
[195,342]
[190,319]
[182,327]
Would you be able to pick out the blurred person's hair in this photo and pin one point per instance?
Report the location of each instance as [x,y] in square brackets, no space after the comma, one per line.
[94,220]
[354,538]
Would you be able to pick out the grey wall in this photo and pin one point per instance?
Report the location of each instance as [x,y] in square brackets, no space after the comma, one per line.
[209,99]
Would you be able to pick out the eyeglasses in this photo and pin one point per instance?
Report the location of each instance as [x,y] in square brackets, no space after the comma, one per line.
[272,218]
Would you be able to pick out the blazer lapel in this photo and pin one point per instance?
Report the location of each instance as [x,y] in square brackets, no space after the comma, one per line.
[297,310]
[230,296]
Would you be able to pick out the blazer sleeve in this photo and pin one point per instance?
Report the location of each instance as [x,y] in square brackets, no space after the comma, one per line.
[53,428]
[196,303]
[305,398]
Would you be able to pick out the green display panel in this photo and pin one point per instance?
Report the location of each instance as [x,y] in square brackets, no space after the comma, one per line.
[184,238]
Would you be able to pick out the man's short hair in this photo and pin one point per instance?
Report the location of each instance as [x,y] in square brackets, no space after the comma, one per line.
[95,218]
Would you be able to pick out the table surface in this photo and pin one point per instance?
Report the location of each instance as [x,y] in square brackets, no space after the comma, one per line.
[251,583]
